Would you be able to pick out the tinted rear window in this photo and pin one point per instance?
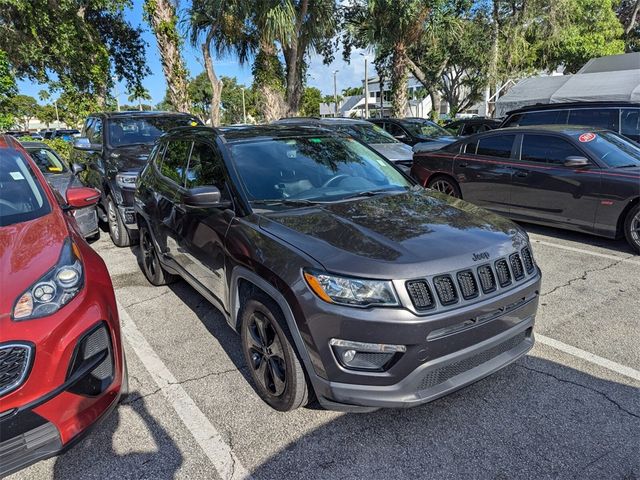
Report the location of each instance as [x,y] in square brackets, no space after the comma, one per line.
[496,146]
[593,117]
[21,195]
[551,117]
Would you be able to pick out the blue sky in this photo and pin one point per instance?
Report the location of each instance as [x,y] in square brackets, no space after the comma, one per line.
[319,75]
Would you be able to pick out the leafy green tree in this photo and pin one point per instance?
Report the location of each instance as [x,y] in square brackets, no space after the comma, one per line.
[139,94]
[23,107]
[629,14]
[77,43]
[46,114]
[311,100]
[350,91]
[74,106]
[200,95]
[8,89]
[231,101]
[161,16]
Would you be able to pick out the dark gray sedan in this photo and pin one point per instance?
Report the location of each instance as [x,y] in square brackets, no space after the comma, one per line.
[60,177]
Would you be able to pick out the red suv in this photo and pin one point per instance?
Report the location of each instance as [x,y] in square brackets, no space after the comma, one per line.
[62,365]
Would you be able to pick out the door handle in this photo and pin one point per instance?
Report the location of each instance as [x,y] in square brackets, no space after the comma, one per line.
[463,165]
[522,174]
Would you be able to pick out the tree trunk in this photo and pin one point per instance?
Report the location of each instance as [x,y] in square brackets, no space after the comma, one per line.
[399,100]
[436,102]
[294,56]
[495,52]
[216,84]
[161,14]
[633,18]
[267,73]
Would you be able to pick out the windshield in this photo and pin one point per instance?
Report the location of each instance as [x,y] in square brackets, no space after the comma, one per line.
[21,195]
[46,160]
[137,130]
[425,128]
[614,150]
[369,133]
[313,169]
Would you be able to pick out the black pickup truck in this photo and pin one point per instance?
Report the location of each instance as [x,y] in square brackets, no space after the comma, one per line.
[114,147]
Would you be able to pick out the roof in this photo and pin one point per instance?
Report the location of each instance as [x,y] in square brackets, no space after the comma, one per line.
[571,130]
[146,113]
[239,133]
[614,79]
[329,122]
[572,105]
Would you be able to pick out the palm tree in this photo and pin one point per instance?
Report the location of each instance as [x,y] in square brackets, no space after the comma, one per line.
[43,95]
[391,27]
[161,15]
[139,94]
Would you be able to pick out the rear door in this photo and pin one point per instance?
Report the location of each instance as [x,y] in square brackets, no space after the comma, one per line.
[483,170]
[201,231]
[544,190]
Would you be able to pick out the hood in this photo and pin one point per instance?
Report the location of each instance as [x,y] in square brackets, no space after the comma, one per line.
[395,236]
[396,152]
[27,251]
[432,145]
[130,158]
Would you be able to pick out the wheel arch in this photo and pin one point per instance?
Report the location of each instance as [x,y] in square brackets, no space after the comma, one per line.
[623,215]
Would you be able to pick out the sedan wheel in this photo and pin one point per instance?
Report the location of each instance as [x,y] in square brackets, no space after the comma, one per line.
[632,228]
[446,186]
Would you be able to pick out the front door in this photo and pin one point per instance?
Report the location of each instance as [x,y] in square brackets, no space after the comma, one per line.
[483,171]
[202,231]
[544,190]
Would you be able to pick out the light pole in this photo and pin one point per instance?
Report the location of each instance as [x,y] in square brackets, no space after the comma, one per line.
[335,94]
[115,86]
[244,109]
[366,88]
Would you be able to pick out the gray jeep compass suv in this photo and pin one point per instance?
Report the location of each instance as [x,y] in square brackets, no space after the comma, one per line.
[344,279]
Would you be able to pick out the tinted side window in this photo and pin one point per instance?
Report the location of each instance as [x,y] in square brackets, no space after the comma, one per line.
[547,149]
[205,167]
[175,160]
[496,146]
[394,129]
[630,125]
[552,117]
[601,118]
[94,132]
[470,148]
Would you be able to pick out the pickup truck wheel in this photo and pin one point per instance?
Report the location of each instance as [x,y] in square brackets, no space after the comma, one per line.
[445,185]
[117,230]
[632,228]
[151,265]
[275,369]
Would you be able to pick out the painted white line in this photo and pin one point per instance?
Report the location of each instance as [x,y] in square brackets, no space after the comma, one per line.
[587,252]
[589,357]
[215,448]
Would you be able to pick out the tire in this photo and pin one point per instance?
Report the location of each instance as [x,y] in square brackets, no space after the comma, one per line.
[445,185]
[275,369]
[632,228]
[151,266]
[117,231]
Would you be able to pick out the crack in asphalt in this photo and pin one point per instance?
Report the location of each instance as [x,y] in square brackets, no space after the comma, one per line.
[592,462]
[564,380]
[584,276]
[145,300]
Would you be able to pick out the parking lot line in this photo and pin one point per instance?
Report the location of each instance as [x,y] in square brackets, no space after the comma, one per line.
[629,259]
[589,357]
[222,458]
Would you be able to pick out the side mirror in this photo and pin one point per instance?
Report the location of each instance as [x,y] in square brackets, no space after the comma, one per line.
[576,162]
[203,197]
[76,168]
[83,143]
[80,197]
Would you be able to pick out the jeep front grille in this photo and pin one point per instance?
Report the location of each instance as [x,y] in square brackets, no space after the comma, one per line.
[502,270]
[445,289]
[468,285]
[528,260]
[487,279]
[15,360]
[420,294]
[516,266]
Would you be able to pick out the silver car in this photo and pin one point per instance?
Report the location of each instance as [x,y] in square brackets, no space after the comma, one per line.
[61,177]
[399,153]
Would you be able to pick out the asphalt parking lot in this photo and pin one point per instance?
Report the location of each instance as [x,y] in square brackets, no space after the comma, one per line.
[570,409]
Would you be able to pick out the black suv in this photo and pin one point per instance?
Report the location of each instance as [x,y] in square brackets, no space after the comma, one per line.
[620,117]
[422,134]
[344,278]
[114,147]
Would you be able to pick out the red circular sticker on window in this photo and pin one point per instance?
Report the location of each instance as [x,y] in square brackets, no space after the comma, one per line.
[587,137]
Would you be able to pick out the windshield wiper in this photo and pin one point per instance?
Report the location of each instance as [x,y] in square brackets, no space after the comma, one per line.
[631,165]
[371,193]
[285,201]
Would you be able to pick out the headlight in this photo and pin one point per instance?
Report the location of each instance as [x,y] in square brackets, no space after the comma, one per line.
[126,180]
[351,291]
[55,289]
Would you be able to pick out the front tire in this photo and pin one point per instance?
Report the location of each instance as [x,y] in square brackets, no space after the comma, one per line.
[117,230]
[445,185]
[632,228]
[276,371]
[151,266]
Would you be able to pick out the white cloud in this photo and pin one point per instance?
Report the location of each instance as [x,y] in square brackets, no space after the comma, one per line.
[349,74]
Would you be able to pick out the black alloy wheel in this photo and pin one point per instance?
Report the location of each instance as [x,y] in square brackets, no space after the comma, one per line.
[151,265]
[267,354]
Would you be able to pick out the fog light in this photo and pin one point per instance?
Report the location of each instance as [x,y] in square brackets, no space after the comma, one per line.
[366,356]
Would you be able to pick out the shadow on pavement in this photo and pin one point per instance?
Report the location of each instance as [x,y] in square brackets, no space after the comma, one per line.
[535,419]
[95,457]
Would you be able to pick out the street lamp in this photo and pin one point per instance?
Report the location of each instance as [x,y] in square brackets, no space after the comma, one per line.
[115,86]
[335,94]
[366,87]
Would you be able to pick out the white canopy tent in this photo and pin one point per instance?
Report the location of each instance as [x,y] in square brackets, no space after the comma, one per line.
[614,78]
